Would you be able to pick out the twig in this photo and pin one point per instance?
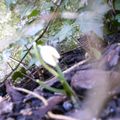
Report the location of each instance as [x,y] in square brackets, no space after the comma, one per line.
[27,50]
[54,79]
[32,93]
[17,61]
[17,64]
[60,117]
[10,66]
[50,114]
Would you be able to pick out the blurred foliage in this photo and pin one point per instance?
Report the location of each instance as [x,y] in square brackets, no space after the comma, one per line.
[21,21]
[117,4]
[112,22]
[117,8]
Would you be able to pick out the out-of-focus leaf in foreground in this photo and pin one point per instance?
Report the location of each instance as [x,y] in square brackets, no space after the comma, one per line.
[93,17]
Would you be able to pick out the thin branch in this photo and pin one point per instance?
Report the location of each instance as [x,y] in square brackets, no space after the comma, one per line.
[50,114]
[17,61]
[27,50]
[32,93]
[10,66]
[17,64]
[60,117]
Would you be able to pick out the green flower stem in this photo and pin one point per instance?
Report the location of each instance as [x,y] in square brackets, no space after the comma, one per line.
[50,88]
[68,90]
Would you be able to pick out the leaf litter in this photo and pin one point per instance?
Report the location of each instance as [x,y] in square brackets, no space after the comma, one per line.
[21,105]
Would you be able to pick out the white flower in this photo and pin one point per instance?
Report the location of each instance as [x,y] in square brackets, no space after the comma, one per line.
[49,54]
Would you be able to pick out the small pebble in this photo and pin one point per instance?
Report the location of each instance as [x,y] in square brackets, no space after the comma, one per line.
[67,105]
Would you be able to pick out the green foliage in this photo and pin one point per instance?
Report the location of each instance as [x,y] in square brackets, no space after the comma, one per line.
[112,23]
[117,17]
[57,72]
[34,13]
[117,8]
[19,74]
[28,19]
[117,4]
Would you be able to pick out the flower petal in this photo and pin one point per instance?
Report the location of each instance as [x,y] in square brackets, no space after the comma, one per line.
[50,55]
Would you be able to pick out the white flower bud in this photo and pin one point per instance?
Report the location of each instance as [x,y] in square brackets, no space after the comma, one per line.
[49,54]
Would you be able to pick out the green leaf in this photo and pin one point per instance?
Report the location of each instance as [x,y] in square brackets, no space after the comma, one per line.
[17,75]
[117,17]
[40,42]
[65,32]
[23,70]
[34,13]
[33,29]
